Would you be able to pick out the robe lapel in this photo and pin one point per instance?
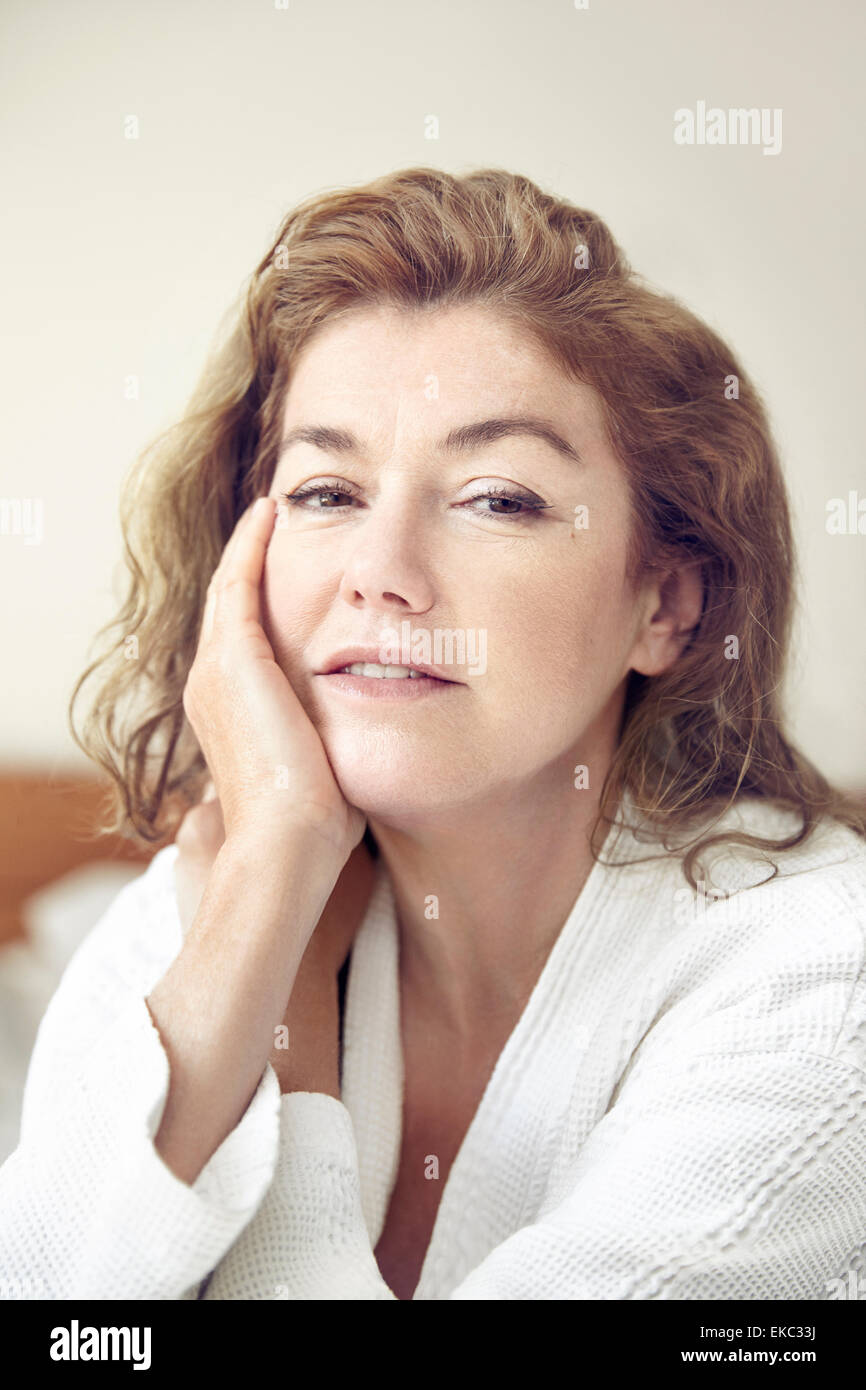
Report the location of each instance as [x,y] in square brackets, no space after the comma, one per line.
[372,1080]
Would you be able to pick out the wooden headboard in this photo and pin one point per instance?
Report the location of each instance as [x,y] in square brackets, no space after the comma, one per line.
[46,819]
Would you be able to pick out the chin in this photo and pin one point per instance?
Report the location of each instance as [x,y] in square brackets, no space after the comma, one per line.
[392,789]
[394,799]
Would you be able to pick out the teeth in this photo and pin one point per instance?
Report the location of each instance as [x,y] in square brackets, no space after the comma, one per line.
[370,668]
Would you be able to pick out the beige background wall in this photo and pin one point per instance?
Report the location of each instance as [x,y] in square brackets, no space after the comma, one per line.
[121,255]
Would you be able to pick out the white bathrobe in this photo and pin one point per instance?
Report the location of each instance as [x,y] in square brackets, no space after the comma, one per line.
[679,1113]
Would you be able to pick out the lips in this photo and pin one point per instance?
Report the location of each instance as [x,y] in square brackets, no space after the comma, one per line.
[369,656]
[376,671]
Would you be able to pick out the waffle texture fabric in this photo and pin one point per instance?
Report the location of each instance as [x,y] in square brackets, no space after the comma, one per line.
[679,1112]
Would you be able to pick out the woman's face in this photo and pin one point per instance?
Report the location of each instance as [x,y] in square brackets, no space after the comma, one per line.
[400,543]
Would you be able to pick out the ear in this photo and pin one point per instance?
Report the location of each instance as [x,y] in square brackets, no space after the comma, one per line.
[672,603]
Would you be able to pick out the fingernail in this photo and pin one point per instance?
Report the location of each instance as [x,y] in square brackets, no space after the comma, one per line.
[260,505]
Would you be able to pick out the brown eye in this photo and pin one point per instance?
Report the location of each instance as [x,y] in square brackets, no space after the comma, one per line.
[518,504]
[297,499]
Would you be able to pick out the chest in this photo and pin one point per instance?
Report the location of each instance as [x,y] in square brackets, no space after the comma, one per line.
[442,1089]
[438,1109]
[429,1145]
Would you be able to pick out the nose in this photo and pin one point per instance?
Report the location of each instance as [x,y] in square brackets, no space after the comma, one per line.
[386,566]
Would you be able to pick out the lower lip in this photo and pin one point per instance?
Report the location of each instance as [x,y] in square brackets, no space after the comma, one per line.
[388,687]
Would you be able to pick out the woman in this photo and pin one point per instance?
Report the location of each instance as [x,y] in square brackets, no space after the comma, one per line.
[483,692]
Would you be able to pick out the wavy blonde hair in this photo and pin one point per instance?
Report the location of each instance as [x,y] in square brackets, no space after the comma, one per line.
[703,472]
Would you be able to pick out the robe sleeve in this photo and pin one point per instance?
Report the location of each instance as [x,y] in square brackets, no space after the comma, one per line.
[88,1208]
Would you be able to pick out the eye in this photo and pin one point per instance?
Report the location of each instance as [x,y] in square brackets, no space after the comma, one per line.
[299,497]
[514,504]
[520,504]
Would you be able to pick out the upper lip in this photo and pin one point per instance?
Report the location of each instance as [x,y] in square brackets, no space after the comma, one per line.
[348,656]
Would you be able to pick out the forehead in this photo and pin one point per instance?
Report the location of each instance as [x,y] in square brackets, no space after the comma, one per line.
[372,362]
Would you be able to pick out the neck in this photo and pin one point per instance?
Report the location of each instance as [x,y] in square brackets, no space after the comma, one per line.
[502,877]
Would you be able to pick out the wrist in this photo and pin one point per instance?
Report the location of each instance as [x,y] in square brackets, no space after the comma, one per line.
[321,844]
[260,906]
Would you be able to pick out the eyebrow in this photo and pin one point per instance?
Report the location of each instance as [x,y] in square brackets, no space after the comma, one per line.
[460,440]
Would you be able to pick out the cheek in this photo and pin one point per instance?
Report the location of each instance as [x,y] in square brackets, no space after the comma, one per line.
[292,603]
[569,631]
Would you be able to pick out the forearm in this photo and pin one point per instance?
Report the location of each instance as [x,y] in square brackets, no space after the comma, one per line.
[311,1059]
[218,1005]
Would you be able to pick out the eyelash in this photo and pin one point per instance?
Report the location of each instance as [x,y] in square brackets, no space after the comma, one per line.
[296,499]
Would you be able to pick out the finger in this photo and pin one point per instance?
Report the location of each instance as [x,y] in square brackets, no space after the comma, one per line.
[210,595]
[237,563]
[236,597]
[233,541]
[252,528]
